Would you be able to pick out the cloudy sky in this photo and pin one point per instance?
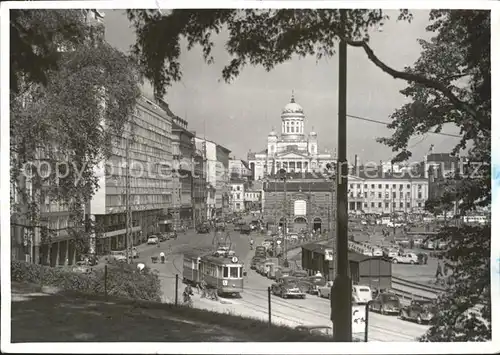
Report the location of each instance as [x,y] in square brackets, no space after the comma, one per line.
[241,114]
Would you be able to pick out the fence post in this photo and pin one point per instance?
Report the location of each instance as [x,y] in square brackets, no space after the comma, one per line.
[176,288]
[269,303]
[367,312]
[106,282]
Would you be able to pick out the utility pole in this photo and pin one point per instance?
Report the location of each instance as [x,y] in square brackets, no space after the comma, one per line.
[128,211]
[341,290]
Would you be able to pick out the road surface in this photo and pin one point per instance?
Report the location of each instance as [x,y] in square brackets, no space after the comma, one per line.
[254,301]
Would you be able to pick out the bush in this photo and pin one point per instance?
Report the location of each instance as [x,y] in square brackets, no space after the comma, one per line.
[122,280]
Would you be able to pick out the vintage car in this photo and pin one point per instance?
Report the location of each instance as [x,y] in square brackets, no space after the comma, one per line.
[420,311]
[260,251]
[117,256]
[287,289]
[299,273]
[361,294]
[386,303]
[266,266]
[172,235]
[325,291]
[245,229]
[163,237]
[282,273]
[153,240]
[323,330]
[405,258]
[256,260]
[313,282]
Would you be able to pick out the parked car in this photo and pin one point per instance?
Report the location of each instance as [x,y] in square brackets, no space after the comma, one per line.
[172,235]
[386,303]
[325,291]
[260,251]
[287,289]
[314,282]
[163,237]
[361,294]
[405,258]
[255,261]
[420,311]
[316,329]
[245,229]
[153,240]
[117,255]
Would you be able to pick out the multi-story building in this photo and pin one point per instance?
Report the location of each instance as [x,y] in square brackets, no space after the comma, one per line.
[304,201]
[208,149]
[292,150]
[376,191]
[239,168]
[183,153]
[223,187]
[253,199]
[146,149]
[237,194]
[200,191]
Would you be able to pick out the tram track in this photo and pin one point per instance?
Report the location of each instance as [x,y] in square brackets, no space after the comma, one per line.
[315,313]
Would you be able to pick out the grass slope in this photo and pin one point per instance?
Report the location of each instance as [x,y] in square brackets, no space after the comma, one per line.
[42,316]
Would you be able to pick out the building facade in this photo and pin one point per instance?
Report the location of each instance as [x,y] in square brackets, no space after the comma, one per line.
[208,149]
[376,191]
[304,202]
[199,195]
[183,153]
[237,195]
[253,199]
[223,186]
[292,150]
[240,169]
[144,153]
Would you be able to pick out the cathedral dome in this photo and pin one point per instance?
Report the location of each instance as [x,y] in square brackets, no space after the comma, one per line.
[292,107]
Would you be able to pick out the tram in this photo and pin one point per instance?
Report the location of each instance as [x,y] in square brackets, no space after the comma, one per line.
[221,272]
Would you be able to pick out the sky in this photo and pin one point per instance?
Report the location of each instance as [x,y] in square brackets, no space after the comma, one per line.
[241,114]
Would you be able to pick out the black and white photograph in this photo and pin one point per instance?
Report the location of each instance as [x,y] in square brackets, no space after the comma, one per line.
[186,177]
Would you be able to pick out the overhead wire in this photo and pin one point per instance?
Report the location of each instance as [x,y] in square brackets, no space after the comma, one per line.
[386,123]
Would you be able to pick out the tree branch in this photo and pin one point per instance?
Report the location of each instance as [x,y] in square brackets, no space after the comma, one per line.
[412,77]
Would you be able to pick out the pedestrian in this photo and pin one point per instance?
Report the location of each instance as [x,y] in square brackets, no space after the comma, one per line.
[425,258]
[445,269]
[162,257]
[439,271]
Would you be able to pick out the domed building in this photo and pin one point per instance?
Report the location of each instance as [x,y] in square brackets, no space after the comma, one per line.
[292,150]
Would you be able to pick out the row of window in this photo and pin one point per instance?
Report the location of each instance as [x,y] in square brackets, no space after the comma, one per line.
[394,186]
[152,121]
[119,200]
[292,127]
[121,181]
[401,205]
[387,195]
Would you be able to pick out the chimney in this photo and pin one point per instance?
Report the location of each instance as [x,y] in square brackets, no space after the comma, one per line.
[355,162]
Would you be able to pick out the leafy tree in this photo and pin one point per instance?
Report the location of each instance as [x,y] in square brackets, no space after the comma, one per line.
[458,58]
[64,114]
[450,83]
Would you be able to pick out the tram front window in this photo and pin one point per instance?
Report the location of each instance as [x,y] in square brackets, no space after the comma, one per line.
[241,271]
[234,272]
[226,271]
